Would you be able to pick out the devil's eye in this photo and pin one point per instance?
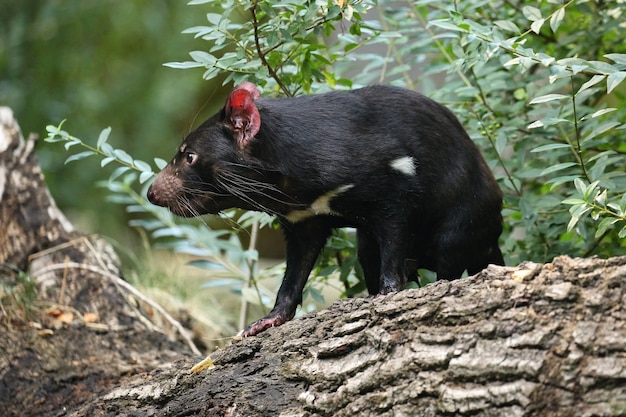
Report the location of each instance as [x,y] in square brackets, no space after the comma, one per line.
[191,158]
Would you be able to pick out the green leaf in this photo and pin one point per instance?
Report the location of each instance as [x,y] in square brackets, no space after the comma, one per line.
[198,30]
[251,255]
[104,135]
[602,128]
[123,156]
[106,161]
[160,163]
[556,19]
[79,156]
[142,166]
[54,138]
[602,112]
[590,190]
[501,142]
[168,232]
[52,129]
[145,176]
[226,282]
[446,24]
[548,97]
[214,18]
[546,60]
[204,58]
[615,207]
[135,208]
[617,58]
[107,149]
[604,225]
[614,79]
[593,81]
[555,182]
[573,201]
[536,25]
[71,142]
[550,147]
[578,68]
[183,65]
[507,25]
[207,265]
[557,167]
[330,269]
[532,13]
[549,121]
[316,295]
[117,172]
[580,185]
[576,212]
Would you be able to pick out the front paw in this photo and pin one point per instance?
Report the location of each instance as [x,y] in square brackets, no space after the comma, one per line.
[263,324]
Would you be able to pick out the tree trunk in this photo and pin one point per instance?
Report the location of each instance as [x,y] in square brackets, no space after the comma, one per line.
[29,219]
[532,340]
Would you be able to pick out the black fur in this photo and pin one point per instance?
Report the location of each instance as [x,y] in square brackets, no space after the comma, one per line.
[446,217]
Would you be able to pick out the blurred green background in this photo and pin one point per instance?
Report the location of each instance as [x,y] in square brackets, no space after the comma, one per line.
[99,64]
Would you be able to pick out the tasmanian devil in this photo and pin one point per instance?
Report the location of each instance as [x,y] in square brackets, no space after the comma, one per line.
[392,163]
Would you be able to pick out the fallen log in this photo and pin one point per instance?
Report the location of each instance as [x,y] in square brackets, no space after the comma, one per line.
[534,340]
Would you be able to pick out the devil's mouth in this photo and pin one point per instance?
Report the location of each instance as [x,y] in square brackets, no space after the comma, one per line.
[194,208]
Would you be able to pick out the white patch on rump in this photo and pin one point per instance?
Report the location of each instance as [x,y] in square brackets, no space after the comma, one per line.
[321,205]
[405,165]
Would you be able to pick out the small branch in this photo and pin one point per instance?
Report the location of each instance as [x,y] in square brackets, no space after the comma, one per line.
[595,243]
[579,151]
[391,49]
[257,43]
[501,162]
[243,313]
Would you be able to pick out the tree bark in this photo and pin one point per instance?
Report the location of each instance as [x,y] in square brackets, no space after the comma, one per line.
[535,340]
[29,219]
[531,340]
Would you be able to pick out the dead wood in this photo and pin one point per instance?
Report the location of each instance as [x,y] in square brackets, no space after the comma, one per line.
[535,340]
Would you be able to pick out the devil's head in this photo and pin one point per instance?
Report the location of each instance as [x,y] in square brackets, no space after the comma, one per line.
[208,173]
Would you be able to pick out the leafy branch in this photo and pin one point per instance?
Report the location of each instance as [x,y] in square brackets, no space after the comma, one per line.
[592,199]
[104,150]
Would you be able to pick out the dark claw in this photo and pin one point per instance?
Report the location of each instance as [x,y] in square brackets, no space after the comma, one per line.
[262,325]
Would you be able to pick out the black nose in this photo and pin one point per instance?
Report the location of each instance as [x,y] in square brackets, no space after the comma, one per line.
[152,196]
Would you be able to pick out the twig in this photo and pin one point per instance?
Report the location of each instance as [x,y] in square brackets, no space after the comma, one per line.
[579,149]
[596,242]
[257,43]
[243,313]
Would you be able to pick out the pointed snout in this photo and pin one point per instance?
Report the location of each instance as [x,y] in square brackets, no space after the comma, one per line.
[153,196]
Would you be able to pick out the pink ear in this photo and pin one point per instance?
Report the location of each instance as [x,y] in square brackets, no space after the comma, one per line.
[242,116]
[248,86]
